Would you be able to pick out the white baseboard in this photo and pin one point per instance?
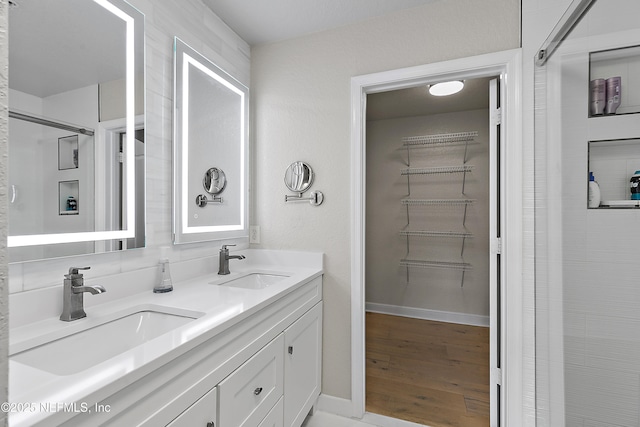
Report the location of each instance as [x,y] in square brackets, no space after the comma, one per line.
[344,408]
[335,405]
[382,421]
[423,313]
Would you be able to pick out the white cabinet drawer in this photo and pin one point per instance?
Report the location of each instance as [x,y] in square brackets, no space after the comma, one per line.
[248,394]
[275,418]
[201,414]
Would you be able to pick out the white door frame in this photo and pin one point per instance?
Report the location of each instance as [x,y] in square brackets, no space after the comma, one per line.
[509,65]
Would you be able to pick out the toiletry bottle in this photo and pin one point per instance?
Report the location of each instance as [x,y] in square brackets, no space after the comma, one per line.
[634,186]
[598,97]
[614,95]
[594,192]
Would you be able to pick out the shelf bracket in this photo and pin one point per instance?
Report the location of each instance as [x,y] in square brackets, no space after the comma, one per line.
[464,180]
[464,219]
[462,249]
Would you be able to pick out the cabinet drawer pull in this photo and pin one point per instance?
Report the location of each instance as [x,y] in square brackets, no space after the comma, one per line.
[290,349]
[258,390]
[211,424]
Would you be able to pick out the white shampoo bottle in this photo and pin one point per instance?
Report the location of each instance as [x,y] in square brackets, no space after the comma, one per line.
[594,192]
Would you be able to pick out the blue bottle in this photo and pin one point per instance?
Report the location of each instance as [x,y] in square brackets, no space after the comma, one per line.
[634,186]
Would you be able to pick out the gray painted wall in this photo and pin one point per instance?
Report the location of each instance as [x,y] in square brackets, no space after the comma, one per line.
[436,289]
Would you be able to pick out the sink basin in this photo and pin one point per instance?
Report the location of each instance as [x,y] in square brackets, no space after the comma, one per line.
[84,349]
[255,281]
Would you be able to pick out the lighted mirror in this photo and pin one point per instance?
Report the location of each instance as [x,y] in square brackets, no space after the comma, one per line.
[210,127]
[76,128]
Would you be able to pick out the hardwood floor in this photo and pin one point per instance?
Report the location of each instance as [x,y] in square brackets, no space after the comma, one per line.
[427,372]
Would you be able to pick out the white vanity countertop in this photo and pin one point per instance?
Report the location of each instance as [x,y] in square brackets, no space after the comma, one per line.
[216,308]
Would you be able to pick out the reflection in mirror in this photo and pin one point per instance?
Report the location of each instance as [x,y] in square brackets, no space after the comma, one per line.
[214,181]
[76,128]
[210,125]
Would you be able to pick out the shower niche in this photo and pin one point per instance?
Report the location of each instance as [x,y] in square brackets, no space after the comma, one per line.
[614,79]
[610,131]
[613,163]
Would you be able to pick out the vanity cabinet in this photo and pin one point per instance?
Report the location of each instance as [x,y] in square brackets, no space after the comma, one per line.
[203,413]
[275,417]
[217,377]
[249,393]
[302,366]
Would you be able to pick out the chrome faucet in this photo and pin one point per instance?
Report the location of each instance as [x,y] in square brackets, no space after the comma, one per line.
[72,294]
[224,259]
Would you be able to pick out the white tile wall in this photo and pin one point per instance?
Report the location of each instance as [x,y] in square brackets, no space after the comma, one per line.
[603,395]
[599,297]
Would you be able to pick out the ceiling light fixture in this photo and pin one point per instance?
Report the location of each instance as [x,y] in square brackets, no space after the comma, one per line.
[446,88]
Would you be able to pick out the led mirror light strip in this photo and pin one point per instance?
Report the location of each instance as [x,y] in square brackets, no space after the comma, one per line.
[187,61]
[129,231]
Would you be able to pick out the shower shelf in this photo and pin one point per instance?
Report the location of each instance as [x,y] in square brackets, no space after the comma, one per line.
[437,170]
[464,266]
[428,233]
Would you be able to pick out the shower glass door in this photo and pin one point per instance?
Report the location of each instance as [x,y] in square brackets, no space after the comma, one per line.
[587,122]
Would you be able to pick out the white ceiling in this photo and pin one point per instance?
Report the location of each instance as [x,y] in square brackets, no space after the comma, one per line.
[260,22]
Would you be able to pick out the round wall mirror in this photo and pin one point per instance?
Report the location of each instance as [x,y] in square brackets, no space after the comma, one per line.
[298,177]
[214,181]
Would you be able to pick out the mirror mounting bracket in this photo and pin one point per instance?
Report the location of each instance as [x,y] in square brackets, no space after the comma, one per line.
[202,201]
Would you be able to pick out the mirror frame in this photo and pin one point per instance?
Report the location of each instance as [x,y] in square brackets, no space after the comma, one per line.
[185,56]
[134,20]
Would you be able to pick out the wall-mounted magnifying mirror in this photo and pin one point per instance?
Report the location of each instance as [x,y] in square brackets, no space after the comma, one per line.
[76,101]
[210,123]
[298,178]
[214,183]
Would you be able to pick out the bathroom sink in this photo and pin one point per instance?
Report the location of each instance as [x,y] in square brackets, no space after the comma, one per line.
[254,281]
[84,349]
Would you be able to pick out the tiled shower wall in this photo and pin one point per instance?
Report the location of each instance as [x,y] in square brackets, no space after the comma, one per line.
[588,345]
[196,25]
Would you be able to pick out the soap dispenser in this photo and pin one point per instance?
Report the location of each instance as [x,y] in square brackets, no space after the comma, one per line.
[594,192]
[165,284]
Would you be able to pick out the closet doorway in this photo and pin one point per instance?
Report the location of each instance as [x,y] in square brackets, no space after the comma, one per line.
[429,244]
[427,254]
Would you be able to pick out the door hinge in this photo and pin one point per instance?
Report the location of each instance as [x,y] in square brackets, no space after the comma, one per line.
[496,246]
[496,374]
[121,157]
[496,117]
